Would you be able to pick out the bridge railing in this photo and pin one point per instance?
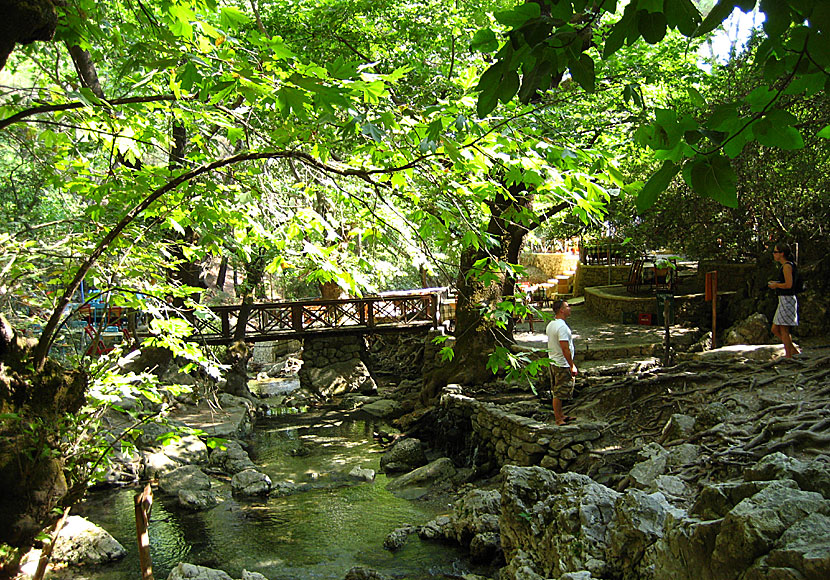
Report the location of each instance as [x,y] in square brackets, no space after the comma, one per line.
[296,318]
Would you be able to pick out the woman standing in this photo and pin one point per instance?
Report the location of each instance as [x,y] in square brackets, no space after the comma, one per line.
[786,315]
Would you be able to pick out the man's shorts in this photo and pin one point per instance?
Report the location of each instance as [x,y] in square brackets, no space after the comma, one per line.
[563,382]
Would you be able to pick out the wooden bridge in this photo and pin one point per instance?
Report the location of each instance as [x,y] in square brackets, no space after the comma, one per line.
[299,319]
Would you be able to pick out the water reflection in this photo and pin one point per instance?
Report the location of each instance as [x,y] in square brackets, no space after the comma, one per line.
[335,523]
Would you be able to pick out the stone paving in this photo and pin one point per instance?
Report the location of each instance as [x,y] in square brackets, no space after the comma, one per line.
[595,338]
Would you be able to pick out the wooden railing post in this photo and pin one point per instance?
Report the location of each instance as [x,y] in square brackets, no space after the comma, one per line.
[297,317]
[143,504]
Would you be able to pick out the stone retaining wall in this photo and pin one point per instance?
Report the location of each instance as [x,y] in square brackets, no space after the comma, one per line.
[551,264]
[489,437]
[587,276]
[731,277]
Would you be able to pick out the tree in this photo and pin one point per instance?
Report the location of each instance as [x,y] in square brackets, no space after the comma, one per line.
[549,37]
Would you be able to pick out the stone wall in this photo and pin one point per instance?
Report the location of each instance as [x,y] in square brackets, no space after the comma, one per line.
[489,437]
[731,277]
[334,365]
[551,264]
[588,276]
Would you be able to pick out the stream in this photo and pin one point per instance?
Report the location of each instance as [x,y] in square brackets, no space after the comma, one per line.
[333,524]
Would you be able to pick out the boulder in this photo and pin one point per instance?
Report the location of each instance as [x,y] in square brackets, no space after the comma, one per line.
[752,330]
[756,525]
[80,542]
[655,460]
[231,458]
[439,470]
[250,483]
[156,464]
[362,473]
[809,475]
[186,449]
[338,378]
[477,512]
[198,499]
[397,538]
[184,571]
[363,573]
[384,409]
[678,427]
[187,477]
[553,523]
[404,455]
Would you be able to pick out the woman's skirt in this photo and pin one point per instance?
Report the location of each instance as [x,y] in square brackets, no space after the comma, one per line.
[787,312]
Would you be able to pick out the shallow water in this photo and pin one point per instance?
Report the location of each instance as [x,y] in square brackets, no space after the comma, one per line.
[335,523]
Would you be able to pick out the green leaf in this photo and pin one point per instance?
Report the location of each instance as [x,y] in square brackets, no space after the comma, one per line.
[582,70]
[372,131]
[696,98]
[88,96]
[773,134]
[683,15]
[616,39]
[777,19]
[518,15]
[714,177]
[715,17]
[232,17]
[656,184]
[824,133]
[652,26]
[484,41]
[508,86]
[759,98]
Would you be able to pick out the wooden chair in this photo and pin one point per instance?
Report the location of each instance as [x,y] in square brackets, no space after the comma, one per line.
[635,276]
[96,346]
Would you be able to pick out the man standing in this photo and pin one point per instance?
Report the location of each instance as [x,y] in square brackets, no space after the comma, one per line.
[561,351]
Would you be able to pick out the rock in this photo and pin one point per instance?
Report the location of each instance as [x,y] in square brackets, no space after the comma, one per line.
[671,485]
[338,378]
[187,477]
[486,547]
[582,575]
[198,500]
[186,449]
[639,521]
[184,571]
[284,488]
[678,427]
[156,464]
[231,458]
[250,483]
[561,519]
[252,576]
[397,538]
[752,330]
[439,470]
[804,547]
[644,473]
[362,473]
[810,475]
[363,573]
[81,542]
[384,409]
[438,529]
[405,455]
[716,500]
[477,512]
[754,526]
[684,454]
[710,415]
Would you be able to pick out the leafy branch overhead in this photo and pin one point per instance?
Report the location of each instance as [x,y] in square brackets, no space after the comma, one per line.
[546,41]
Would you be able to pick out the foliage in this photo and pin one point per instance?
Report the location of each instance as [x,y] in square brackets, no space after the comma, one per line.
[548,39]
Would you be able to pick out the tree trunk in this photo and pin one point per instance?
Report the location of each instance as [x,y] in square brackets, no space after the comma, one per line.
[477,337]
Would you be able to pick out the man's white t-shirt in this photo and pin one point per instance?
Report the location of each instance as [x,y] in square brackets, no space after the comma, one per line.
[557,330]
